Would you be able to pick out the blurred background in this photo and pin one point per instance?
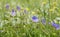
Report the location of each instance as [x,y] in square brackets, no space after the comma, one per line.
[29,18]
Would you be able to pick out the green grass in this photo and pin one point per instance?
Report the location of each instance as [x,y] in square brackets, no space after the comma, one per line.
[22,25]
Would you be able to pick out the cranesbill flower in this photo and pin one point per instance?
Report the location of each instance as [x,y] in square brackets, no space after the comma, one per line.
[58,28]
[56,25]
[25,11]
[7,6]
[43,21]
[13,13]
[18,8]
[35,19]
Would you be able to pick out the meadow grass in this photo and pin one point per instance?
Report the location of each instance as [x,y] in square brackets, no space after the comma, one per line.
[21,23]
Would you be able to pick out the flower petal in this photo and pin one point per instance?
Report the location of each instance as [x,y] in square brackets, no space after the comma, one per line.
[7,6]
[13,13]
[18,8]
[35,19]
[55,25]
[43,21]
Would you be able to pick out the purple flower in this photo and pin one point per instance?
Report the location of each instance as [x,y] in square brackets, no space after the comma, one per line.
[58,28]
[18,8]
[25,11]
[56,25]
[7,6]
[35,19]
[43,21]
[13,13]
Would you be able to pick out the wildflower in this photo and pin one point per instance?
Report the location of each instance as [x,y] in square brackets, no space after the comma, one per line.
[25,11]
[18,8]
[56,25]
[13,13]
[43,21]
[58,28]
[35,19]
[7,6]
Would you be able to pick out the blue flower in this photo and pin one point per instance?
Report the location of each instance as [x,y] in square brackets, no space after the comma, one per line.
[35,19]
[25,11]
[43,21]
[58,28]
[13,10]
[18,8]
[13,13]
[56,25]
[7,6]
